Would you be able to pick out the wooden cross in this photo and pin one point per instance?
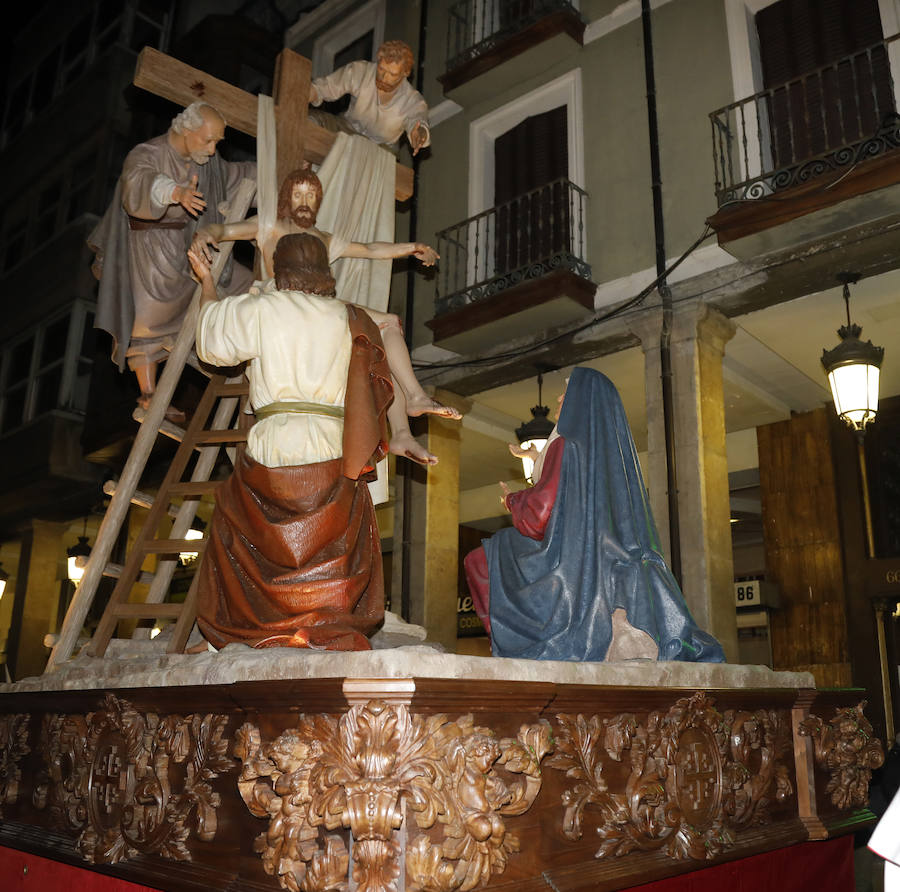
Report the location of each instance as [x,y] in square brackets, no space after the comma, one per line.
[296,137]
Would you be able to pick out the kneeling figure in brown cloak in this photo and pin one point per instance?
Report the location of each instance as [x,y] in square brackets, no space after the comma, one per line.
[293,557]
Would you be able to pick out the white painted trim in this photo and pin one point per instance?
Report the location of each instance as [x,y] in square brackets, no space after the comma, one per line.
[369,17]
[439,113]
[564,90]
[622,15]
[310,22]
[703,260]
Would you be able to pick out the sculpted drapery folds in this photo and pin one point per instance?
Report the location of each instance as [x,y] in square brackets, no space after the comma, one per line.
[370,770]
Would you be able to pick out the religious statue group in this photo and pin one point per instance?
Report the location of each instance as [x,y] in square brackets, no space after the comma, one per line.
[293,557]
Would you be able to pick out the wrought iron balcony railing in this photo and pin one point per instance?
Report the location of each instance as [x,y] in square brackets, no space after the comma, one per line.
[827,120]
[477,26]
[526,238]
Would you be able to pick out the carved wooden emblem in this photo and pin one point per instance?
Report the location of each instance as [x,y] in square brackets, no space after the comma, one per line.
[131,782]
[367,772]
[845,746]
[695,776]
[13,746]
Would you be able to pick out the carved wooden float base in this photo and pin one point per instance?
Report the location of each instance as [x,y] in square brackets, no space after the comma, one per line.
[426,783]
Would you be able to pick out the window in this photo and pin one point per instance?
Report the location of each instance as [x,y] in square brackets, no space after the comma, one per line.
[846,102]
[47,368]
[362,30]
[747,74]
[530,162]
[39,217]
[134,24]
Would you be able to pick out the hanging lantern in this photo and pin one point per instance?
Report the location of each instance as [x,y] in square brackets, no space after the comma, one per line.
[78,558]
[4,578]
[853,369]
[534,433]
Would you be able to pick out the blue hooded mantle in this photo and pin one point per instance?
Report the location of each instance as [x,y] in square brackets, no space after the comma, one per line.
[553,599]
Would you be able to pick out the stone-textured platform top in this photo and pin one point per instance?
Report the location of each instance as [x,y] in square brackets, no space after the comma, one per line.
[146,667]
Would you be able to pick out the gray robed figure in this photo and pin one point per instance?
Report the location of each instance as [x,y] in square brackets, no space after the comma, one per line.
[169,187]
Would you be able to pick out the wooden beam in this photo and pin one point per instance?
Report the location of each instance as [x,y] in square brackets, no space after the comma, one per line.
[182,84]
[291,94]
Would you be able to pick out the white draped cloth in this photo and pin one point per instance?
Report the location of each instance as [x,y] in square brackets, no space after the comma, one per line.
[358,179]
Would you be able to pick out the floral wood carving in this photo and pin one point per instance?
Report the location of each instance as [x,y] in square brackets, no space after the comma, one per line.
[131,782]
[845,746]
[13,746]
[370,769]
[694,776]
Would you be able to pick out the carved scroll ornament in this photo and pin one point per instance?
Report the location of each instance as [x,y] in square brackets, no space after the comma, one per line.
[694,776]
[13,747]
[367,772]
[845,747]
[130,782]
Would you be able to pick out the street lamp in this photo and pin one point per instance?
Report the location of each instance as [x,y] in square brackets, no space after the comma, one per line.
[534,433]
[195,532]
[78,556]
[853,369]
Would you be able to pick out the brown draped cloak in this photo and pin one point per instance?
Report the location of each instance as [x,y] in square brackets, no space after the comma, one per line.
[294,557]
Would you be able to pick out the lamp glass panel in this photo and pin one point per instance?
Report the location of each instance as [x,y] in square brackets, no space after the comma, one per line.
[75,565]
[854,389]
[187,556]
[527,460]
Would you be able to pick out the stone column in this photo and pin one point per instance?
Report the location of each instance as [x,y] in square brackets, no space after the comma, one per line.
[434,536]
[699,335]
[647,327]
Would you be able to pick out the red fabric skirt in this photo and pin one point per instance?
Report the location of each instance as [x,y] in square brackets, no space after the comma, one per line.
[293,559]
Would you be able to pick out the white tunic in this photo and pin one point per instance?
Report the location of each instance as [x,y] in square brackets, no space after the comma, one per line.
[385,122]
[298,346]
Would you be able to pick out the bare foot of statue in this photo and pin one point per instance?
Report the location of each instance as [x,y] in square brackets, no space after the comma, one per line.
[422,404]
[405,444]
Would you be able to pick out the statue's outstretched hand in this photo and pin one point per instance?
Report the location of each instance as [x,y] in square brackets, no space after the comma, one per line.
[190,197]
[418,136]
[531,452]
[205,242]
[426,254]
[506,492]
[200,263]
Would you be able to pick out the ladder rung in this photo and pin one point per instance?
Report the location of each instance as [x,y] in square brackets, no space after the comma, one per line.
[222,436]
[165,426]
[115,571]
[174,546]
[141,499]
[239,389]
[147,611]
[194,488]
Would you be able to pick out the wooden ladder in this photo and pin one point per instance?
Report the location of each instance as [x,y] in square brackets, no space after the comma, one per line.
[210,440]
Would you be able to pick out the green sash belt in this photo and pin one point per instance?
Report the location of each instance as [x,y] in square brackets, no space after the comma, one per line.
[299,408]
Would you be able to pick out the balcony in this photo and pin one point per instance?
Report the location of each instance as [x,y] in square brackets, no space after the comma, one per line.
[789,154]
[484,33]
[513,270]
